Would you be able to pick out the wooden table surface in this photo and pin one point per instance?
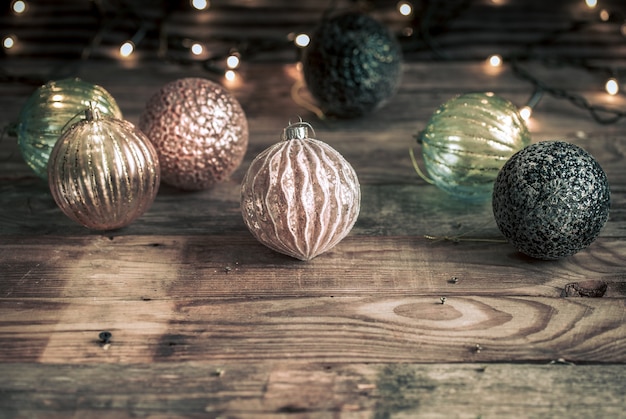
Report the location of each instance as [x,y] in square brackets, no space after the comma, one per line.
[207,322]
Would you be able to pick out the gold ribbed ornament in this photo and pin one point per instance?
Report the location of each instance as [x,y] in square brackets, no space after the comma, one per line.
[103,172]
[300,197]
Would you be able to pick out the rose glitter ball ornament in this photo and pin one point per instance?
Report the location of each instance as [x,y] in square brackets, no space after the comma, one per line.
[551,199]
[199,130]
[352,65]
[300,197]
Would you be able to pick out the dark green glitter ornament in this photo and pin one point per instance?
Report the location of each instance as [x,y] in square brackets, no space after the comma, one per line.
[352,65]
[551,199]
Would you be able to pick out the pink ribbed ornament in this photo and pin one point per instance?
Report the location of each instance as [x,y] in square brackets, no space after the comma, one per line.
[199,131]
[103,172]
[300,197]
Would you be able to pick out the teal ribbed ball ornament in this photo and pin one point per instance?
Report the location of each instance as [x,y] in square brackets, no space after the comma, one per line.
[52,109]
[467,141]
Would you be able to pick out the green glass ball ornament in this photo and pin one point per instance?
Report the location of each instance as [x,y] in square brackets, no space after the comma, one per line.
[103,172]
[467,141]
[53,107]
[551,199]
[352,65]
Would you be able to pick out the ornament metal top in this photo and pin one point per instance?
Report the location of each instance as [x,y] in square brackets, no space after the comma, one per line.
[352,66]
[300,197]
[468,139]
[50,110]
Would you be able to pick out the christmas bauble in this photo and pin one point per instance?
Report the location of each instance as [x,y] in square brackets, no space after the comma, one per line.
[199,130]
[103,172]
[352,65]
[551,199]
[300,197]
[467,141]
[53,107]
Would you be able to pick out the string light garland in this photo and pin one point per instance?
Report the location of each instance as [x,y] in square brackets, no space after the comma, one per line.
[600,113]
[495,60]
[425,21]
[9,41]
[200,4]
[405,8]
[611,86]
[18,7]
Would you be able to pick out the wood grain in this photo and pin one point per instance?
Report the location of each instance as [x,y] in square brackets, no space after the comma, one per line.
[230,298]
[410,328]
[216,266]
[422,311]
[338,390]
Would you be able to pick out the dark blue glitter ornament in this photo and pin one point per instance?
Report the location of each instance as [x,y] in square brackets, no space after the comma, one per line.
[551,199]
[352,65]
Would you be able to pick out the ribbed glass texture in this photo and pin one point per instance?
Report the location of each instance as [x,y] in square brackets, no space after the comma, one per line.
[300,197]
[53,108]
[468,140]
[104,173]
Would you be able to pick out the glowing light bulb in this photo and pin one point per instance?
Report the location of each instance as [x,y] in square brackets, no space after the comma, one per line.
[623,29]
[57,101]
[197,49]
[591,3]
[127,49]
[9,41]
[526,112]
[232,61]
[495,60]
[604,15]
[302,40]
[230,75]
[405,8]
[18,7]
[199,4]
[612,86]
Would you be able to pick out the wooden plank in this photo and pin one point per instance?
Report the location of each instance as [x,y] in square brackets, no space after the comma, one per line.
[207,322]
[424,87]
[395,201]
[131,267]
[463,30]
[285,390]
[336,328]
[386,209]
[230,299]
